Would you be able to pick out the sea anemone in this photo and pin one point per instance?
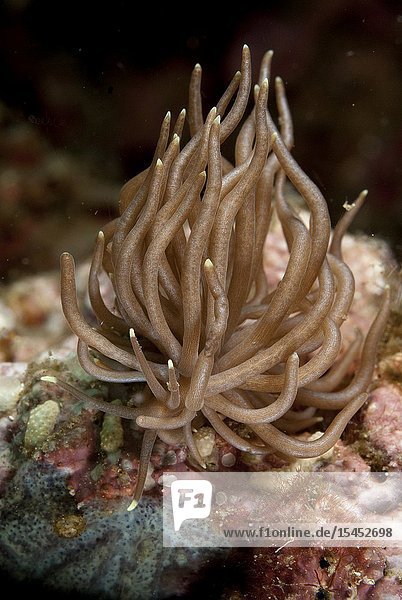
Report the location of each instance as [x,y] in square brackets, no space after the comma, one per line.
[192,314]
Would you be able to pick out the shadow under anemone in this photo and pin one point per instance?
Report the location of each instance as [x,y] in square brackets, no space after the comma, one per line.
[185,261]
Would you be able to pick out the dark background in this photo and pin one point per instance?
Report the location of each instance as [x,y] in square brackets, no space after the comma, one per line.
[94,81]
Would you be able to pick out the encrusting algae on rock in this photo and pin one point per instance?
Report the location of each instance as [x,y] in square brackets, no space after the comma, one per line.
[41,422]
[70,526]
[112,434]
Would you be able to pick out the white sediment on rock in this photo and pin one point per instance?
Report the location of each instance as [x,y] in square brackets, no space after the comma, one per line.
[10,390]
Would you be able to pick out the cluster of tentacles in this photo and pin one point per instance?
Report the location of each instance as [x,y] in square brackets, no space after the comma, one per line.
[193,316]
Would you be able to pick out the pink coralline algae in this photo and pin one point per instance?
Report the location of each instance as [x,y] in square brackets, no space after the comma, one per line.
[303,574]
[383,423]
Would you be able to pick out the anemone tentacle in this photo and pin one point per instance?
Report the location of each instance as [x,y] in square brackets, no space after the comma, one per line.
[185,262]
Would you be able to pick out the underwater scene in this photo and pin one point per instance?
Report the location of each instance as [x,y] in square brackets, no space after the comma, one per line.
[201,300]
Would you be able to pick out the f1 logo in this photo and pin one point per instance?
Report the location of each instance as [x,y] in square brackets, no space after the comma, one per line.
[191,499]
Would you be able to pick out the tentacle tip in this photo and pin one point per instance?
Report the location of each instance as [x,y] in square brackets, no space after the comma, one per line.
[101,236]
[132,333]
[362,398]
[278,80]
[170,364]
[274,137]
[183,112]
[217,120]
[48,378]
[168,116]
[132,505]
[197,67]
[246,48]
[176,138]
[208,264]
[264,83]
[159,163]
[294,356]
[269,53]
[364,193]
